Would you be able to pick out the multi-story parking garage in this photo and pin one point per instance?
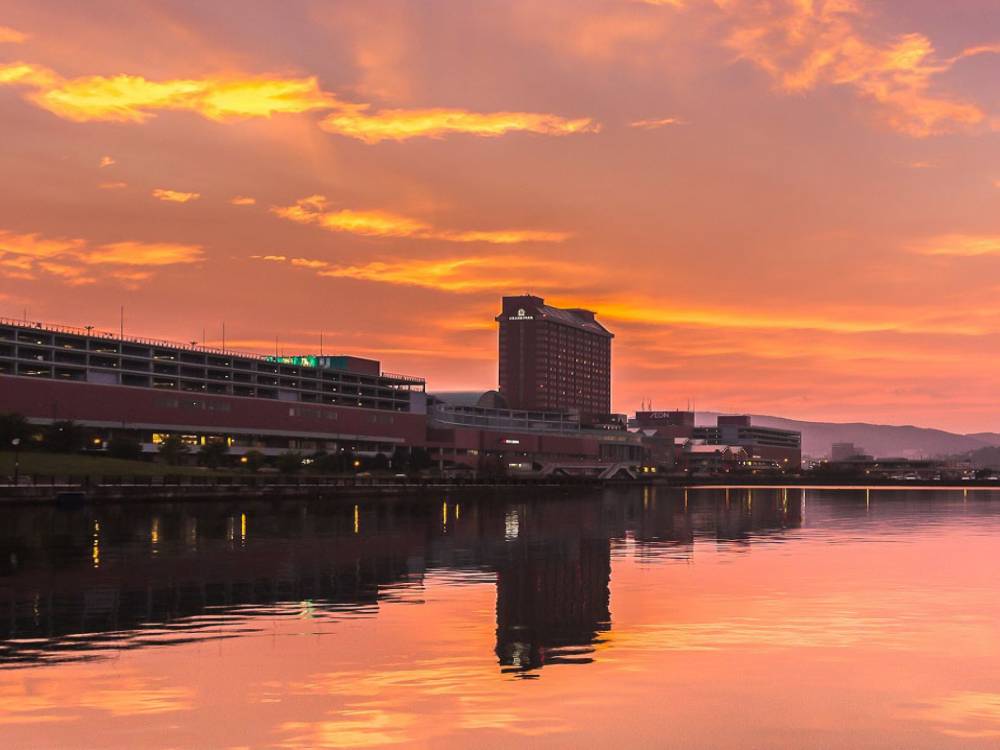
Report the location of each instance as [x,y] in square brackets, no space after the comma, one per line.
[50,373]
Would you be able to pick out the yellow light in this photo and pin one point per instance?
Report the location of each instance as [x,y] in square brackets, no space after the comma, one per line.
[357,520]
[243,528]
[243,459]
[444,515]
[357,463]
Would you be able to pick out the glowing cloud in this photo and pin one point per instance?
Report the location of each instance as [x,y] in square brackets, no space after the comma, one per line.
[144,254]
[464,274]
[128,98]
[804,44]
[962,245]
[113,185]
[403,124]
[11,36]
[35,246]
[71,260]
[653,124]
[242,200]
[107,161]
[376,223]
[175,196]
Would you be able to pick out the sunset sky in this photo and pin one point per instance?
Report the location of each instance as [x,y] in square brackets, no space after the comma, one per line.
[788,207]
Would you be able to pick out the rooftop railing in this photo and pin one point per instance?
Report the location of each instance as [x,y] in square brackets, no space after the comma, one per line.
[93,332]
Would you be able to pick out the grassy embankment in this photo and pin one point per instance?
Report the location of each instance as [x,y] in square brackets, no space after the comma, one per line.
[68,464]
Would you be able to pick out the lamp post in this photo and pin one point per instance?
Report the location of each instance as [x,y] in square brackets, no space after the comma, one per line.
[16,442]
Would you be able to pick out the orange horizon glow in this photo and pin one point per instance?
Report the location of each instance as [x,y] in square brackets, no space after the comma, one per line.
[786,208]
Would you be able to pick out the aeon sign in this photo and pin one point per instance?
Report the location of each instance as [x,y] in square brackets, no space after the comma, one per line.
[522,314]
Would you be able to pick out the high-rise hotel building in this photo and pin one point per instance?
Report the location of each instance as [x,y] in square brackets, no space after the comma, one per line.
[553,359]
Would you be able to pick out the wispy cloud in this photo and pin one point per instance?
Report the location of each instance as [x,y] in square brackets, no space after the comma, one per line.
[653,124]
[961,245]
[403,124]
[130,98]
[175,196]
[805,44]
[107,161]
[113,185]
[462,274]
[12,36]
[315,209]
[242,200]
[130,253]
[73,260]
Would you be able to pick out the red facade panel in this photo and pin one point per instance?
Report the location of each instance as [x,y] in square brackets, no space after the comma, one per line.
[90,403]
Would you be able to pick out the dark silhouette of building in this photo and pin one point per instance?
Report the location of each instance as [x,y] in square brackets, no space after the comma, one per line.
[553,358]
[553,596]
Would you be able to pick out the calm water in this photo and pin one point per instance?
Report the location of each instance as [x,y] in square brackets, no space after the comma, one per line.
[644,618]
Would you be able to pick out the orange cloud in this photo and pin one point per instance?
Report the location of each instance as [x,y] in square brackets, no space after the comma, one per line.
[242,200]
[403,124]
[803,44]
[128,98]
[71,260]
[144,254]
[11,36]
[113,185]
[107,161]
[175,196]
[35,246]
[465,274]
[72,274]
[377,223]
[961,245]
[653,124]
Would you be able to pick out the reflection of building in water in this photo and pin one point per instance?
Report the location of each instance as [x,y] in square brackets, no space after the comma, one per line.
[552,590]
[74,583]
[189,568]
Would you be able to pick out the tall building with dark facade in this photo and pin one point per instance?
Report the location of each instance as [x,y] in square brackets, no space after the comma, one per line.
[553,359]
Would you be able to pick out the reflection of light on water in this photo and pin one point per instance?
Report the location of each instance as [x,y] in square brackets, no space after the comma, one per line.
[444,515]
[243,529]
[519,654]
[357,519]
[154,534]
[96,551]
[358,727]
[967,714]
[123,695]
[511,526]
[192,533]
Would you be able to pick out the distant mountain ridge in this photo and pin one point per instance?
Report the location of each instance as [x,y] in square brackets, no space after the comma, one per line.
[876,439]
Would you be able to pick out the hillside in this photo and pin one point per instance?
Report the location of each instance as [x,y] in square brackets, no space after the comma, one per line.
[876,439]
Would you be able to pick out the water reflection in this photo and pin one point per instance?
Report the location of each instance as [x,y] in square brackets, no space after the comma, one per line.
[86,583]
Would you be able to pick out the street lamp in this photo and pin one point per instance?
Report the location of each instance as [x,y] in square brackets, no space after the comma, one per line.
[16,442]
